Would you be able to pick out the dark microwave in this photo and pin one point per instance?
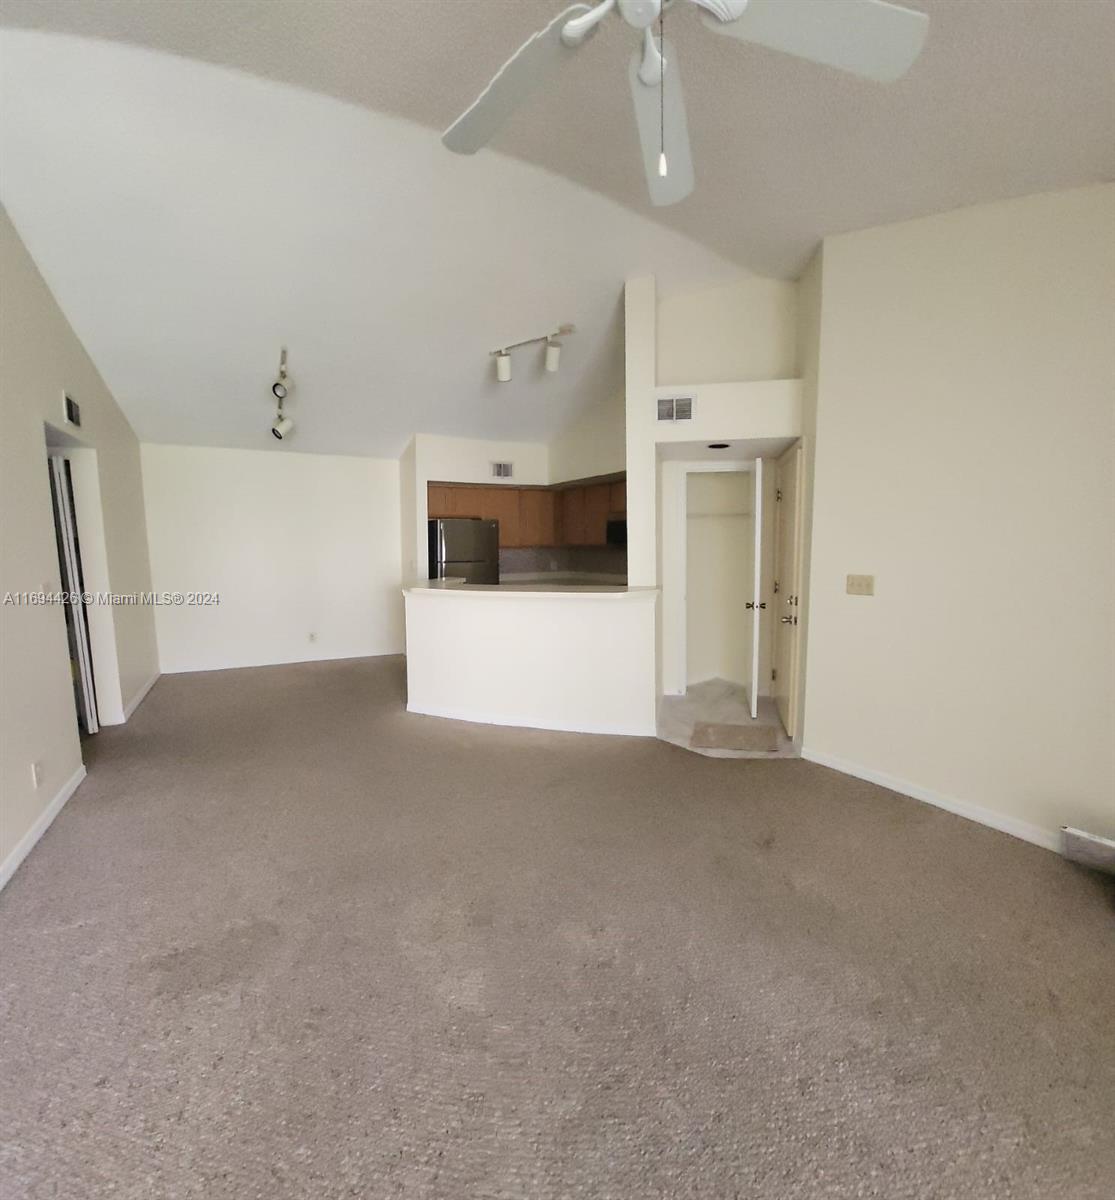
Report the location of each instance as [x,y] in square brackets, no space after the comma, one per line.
[616,533]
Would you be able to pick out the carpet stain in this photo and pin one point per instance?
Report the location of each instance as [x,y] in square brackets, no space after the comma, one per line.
[212,966]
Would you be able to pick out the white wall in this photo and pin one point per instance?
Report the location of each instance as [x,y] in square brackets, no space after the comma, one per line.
[579,661]
[595,444]
[295,544]
[809,351]
[42,360]
[744,330]
[739,346]
[640,356]
[408,511]
[720,515]
[964,456]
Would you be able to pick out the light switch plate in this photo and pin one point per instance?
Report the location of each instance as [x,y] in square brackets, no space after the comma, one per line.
[861,585]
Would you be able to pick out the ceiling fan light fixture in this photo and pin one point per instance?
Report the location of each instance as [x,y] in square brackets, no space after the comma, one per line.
[873,39]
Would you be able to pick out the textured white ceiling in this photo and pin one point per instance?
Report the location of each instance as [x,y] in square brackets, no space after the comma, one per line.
[191,219]
[1009,97]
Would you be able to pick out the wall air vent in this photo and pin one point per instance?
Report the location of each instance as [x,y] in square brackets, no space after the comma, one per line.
[502,470]
[72,411]
[675,408]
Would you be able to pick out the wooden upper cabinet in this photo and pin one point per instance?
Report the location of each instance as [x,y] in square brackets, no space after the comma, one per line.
[598,501]
[502,504]
[573,516]
[437,500]
[536,517]
[466,502]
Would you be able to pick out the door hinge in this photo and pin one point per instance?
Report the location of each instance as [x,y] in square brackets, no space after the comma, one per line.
[773,674]
[776,587]
[778,494]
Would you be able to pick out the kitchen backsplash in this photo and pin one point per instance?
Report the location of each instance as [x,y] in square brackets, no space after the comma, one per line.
[578,560]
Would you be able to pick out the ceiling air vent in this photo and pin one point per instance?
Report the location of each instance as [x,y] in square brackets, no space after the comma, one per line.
[675,408]
[502,470]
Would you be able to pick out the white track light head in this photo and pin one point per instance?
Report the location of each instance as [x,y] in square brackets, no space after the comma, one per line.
[282,427]
[503,367]
[553,356]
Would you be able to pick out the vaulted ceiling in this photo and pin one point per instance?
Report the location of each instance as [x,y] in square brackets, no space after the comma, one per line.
[191,218]
[1009,97]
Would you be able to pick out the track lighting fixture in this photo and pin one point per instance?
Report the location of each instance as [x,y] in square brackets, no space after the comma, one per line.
[281,389]
[549,362]
[282,386]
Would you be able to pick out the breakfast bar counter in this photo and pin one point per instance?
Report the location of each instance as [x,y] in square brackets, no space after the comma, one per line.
[577,657]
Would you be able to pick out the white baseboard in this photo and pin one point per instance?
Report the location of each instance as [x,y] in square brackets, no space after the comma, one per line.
[1048,839]
[27,843]
[476,718]
[138,698]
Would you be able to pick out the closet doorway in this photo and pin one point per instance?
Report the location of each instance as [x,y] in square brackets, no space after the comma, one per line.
[721,525]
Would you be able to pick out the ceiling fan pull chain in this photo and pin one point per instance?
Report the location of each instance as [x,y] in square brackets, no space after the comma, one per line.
[663,166]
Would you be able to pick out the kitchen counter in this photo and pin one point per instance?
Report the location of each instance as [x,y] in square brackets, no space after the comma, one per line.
[530,586]
[546,655]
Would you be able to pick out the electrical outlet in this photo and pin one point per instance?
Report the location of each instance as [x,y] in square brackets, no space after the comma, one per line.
[861,585]
[36,773]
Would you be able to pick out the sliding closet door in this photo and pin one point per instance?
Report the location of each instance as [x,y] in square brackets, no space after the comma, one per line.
[756,602]
[73,584]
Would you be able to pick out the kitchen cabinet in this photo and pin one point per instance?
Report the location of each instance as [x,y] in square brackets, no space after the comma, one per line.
[502,504]
[598,499]
[572,516]
[438,501]
[536,517]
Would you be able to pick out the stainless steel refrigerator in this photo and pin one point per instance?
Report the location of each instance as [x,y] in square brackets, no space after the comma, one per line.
[464,548]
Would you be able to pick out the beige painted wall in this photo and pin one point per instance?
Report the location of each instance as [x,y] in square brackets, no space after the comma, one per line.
[965,447]
[303,550]
[809,355]
[41,360]
[595,444]
[719,570]
[740,331]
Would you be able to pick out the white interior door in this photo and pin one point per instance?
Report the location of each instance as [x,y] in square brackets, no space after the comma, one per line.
[755,604]
[787,586]
[73,584]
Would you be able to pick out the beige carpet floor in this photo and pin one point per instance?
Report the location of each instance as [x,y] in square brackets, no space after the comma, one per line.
[289,941]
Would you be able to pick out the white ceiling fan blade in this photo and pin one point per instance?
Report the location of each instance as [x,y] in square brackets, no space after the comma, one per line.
[677,183]
[866,37]
[535,62]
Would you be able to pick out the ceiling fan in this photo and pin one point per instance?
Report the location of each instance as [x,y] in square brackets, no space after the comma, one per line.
[869,38]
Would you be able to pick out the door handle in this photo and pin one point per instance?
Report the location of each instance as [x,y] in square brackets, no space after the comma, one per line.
[787,620]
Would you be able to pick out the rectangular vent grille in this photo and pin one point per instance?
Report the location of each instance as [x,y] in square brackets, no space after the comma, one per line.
[675,408]
[73,412]
[502,470]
